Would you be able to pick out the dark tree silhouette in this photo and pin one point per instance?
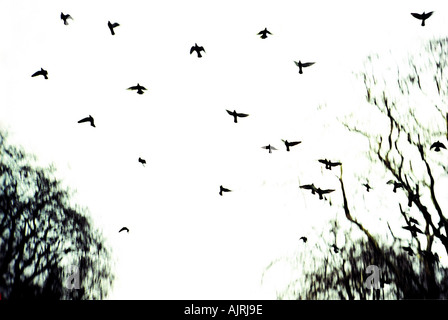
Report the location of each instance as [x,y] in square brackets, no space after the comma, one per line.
[46,242]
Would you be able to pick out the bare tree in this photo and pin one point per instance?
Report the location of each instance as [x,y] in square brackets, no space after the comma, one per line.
[404,113]
[42,234]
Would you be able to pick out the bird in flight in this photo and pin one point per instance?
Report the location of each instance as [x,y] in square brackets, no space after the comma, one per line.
[236,115]
[329,164]
[422,16]
[222,189]
[396,184]
[309,187]
[138,87]
[65,17]
[41,72]
[303,65]
[198,50]
[368,187]
[269,147]
[264,33]
[112,26]
[437,145]
[142,161]
[124,229]
[304,239]
[321,192]
[290,144]
[409,250]
[88,119]
[413,229]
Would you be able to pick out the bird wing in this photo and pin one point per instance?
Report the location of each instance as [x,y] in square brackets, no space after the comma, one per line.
[326,191]
[294,143]
[273,148]
[334,164]
[417,15]
[308,186]
[307,64]
[229,112]
[133,88]
[37,73]
[323,161]
[241,115]
[124,229]
[225,189]
[84,120]
[297,64]
[201,49]
[427,15]
[390,182]
[438,144]
[115,24]
[267,31]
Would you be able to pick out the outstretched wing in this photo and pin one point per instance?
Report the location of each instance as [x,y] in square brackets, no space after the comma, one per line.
[37,73]
[241,115]
[326,191]
[115,24]
[323,161]
[417,15]
[297,64]
[229,112]
[225,189]
[427,15]
[307,64]
[133,88]
[294,143]
[123,229]
[87,119]
[308,187]
[334,164]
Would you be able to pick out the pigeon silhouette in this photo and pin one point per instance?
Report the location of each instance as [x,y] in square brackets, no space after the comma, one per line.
[112,26]
[396,184]
[142,161]
[368,187]
[309,187]
[41,72]
[422,16]
[303,65]
[236,115]
[222,189]
[64,17]
[409,250]
[198,50]
[88,119]
[138,87]
[290,144]
[437,145]
[269,147]
[321,192]
[264,33]
[124,229]
[304,239]
[413,229]
[329,164]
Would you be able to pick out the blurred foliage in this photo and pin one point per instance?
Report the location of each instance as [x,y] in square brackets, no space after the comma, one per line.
[42,234]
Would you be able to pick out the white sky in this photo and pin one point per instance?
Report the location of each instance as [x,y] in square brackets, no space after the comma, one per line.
[185,241]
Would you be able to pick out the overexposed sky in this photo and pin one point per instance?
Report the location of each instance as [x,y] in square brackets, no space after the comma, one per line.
[185,241]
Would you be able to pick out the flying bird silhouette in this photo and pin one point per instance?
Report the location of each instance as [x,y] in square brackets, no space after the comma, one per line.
[64,17]
[422,16]
[264,33]
[309,187]
[236,115]
[329,164]
[222,189]
[269,147]
[413,229]
[409,250]
[304,239]
[335,248]
[198,50]
[124,229]
[321,192]
[112,26]
[138,87]
[368,187]
[142,161]
[290,144]
[41,72]
[437,145]
[396,184]
[88,119]
[303,65]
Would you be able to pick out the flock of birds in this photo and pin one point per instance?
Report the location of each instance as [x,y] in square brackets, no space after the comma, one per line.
[437,146]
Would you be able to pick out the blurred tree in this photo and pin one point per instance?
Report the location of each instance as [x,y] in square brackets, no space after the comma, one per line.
[404,114]
[46,243]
